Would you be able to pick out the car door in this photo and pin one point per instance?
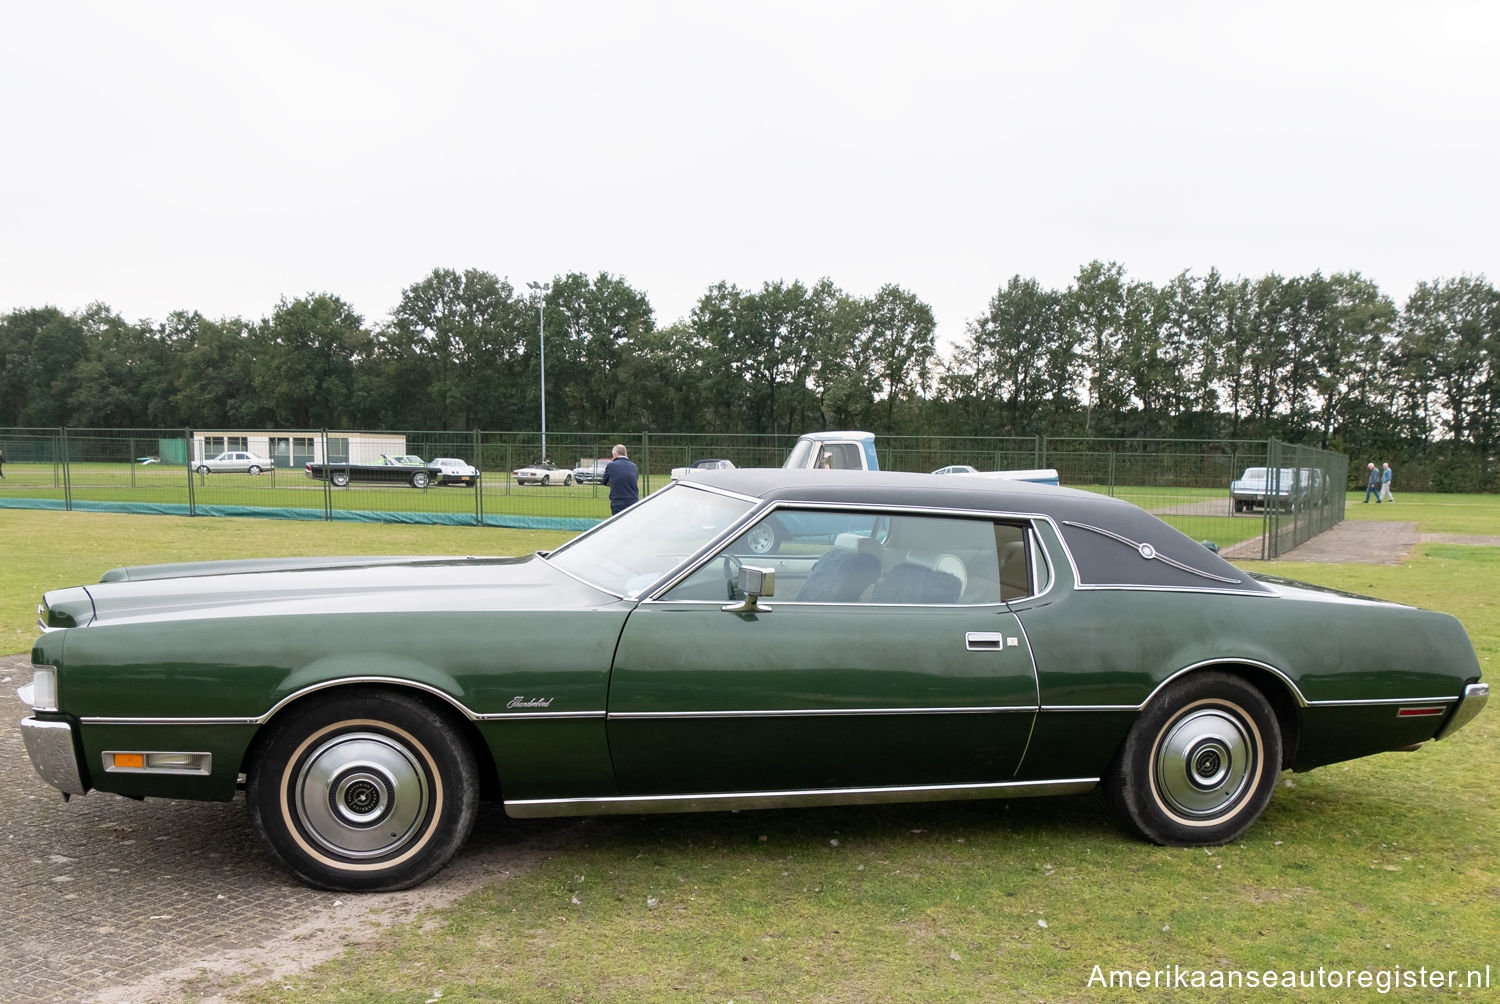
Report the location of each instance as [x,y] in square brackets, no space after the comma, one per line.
[911,673]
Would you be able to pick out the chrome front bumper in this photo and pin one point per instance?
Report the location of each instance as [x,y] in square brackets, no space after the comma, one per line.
[1475,696]
[50,746]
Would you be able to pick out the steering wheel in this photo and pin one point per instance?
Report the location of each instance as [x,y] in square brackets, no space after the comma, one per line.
[732,565]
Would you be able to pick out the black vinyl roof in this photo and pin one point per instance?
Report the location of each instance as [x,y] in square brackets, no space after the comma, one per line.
[1112,542]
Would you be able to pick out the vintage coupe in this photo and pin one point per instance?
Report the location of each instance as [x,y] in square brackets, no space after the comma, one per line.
[390,469]
[452,471]
[915,637]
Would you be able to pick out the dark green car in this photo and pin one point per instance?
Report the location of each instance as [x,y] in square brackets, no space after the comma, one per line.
[910,637]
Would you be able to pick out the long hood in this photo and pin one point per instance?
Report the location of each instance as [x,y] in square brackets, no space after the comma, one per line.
[320,586]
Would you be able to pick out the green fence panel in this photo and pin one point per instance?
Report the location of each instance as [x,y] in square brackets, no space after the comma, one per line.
[1185,482]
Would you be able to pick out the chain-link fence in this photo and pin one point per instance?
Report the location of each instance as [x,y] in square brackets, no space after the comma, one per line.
[517,480]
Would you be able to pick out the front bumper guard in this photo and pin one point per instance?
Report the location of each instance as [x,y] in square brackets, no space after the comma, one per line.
[53,754]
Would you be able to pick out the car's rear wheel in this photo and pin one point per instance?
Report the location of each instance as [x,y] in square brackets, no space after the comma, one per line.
[419,479]
[340,479]
[1200,763]
[546,479]
[254,470]
[202,468]
[568,481]
[370,793]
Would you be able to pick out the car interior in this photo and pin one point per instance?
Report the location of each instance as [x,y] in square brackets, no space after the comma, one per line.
[833,557]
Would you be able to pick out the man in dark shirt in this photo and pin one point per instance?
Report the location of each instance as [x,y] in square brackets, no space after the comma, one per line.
[620,475]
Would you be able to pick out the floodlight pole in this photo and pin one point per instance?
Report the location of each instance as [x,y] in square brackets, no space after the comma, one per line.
[541,289]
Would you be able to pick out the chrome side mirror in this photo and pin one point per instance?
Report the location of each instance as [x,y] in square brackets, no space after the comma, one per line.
[754,583]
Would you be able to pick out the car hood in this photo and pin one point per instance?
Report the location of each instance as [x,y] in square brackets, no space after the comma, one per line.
[302,586]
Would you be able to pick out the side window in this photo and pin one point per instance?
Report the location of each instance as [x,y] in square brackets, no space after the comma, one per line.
[850,557]
[1018,559]
[794,542]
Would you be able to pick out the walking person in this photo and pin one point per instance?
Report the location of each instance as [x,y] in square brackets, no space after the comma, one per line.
[621,475]
[1385,483]
[2,464]
[1372,484]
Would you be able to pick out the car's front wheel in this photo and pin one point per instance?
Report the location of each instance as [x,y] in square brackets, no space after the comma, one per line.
[340,479]
[370,793]
[568,481]
[1200,763]
[546,480]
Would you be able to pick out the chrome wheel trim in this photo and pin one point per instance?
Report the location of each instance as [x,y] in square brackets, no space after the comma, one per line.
[760,539]
[1205,762]
[361,795]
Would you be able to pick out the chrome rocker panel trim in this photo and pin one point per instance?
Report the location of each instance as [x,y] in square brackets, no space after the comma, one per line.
[528,808]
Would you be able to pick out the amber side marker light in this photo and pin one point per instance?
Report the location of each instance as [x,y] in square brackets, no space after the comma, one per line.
[161,762]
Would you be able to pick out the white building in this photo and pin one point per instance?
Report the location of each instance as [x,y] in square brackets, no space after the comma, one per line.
[293,449]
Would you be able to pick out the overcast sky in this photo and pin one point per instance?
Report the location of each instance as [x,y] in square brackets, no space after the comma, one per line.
[217,157]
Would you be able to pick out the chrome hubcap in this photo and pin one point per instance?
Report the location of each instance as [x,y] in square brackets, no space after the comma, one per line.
[361,795]
[1204,762]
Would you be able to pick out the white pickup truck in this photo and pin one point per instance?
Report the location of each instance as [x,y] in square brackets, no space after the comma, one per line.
[855,451]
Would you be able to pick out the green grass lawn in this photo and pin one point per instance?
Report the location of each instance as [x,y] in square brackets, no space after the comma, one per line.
[291,489]
[1389,861]
[45,550]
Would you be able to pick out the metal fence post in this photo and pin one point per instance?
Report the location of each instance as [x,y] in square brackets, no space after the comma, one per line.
[67,478]
[327,479]
[478,483]
[1272,547]
[187,439]
[646,458]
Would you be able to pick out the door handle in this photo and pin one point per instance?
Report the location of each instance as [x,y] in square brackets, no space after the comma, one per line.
[985,641]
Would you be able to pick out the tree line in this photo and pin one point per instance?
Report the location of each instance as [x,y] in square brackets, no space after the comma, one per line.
[1325,360]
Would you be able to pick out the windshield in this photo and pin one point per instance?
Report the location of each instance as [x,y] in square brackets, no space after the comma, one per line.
[649,539]
[800,455]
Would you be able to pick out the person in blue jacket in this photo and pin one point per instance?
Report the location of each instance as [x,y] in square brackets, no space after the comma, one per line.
[1372,484]
[620,474]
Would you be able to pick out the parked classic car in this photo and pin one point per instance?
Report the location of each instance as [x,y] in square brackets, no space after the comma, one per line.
[590,472]
[389,469]
[543,472]
[955,638]
[452,471]
[957,469]
[231,461]
[1279,487]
